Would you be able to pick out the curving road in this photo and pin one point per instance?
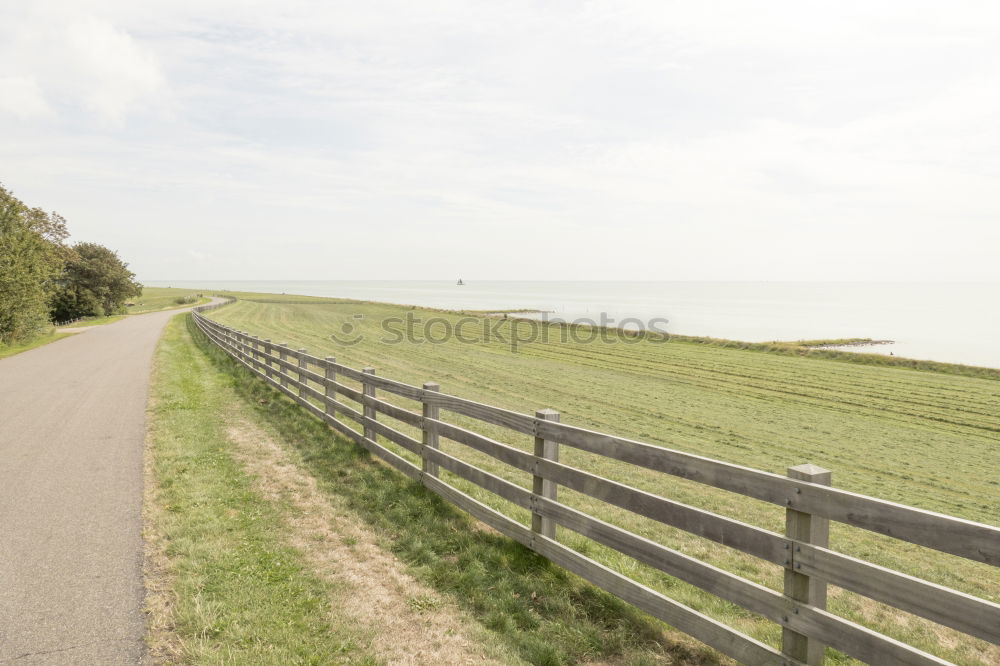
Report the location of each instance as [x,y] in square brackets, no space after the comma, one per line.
[72,433]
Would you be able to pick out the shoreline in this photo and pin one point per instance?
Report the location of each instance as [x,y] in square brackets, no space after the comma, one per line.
[850,342]
[821,349]
[960,332]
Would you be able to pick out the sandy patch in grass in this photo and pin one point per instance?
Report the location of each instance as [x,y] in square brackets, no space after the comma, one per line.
[410,622]
[162,641]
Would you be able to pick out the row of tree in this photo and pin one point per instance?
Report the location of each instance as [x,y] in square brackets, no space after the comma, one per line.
[44,279]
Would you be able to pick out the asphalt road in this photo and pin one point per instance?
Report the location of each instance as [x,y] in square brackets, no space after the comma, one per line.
[72,433]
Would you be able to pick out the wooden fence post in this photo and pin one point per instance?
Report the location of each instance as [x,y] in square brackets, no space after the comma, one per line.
[369,411]
[545,487]
[268,349]
[430,439]
[283,355]
[810,590]
[254,342]
[330,391]
[303,382]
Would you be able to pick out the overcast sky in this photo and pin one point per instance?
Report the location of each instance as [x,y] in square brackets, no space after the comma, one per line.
[512,140]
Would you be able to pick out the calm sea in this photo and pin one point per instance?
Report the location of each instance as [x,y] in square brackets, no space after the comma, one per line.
[958,323]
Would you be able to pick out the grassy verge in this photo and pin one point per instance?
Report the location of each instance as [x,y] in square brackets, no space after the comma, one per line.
[928,439]
[159,298]
[235,593]
[164,298]
[96,321]
[542,613]
[44,339]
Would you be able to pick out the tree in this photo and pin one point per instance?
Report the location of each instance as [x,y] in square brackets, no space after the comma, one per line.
[95,282]
[32,254]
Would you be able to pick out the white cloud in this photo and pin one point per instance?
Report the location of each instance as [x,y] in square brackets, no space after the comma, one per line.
[673,140]
[111,73]
[21,96]
[68,62]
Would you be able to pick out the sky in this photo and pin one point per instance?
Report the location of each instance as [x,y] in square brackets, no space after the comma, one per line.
[236,139]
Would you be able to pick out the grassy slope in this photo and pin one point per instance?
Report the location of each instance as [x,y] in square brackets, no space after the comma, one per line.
[242,596]
[96,321]
[532,609]
[44,339]
[922,438]
[162,298]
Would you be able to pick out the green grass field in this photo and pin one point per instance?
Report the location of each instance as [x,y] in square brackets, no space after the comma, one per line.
[162,298]
[528,610]
[96,321]
[45,338]
[152,299]
[237,593]
[928,439]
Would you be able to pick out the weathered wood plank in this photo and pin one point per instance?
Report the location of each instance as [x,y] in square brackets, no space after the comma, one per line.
[494,484]
[975,541]
[732,533]
[846,636]
[400,463]
[393,435]
[303,381]
[390,385]
[283,365]
[502,417]
[348,372]
[343,409]
[429,437]
[398,413]
[540,485]
[369,392]
[966,613]
[503,452]
[811,590]
[348,392]
[752,596]
[750,539]
[330,386]
[951,608]
[709,631]
[310,375]
[857,641]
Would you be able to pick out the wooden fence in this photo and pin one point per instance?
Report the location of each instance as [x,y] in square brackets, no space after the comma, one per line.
[806,494]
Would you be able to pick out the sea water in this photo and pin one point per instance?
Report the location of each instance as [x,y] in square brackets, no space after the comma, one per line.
[951,322]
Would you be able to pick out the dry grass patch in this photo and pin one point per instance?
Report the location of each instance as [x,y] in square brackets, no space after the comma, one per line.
[162,642]
[411,623]
[223,586]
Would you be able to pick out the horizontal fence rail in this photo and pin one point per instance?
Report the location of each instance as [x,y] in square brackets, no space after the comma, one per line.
[803,551]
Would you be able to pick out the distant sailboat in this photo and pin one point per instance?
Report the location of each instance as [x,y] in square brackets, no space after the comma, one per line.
[460,283]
